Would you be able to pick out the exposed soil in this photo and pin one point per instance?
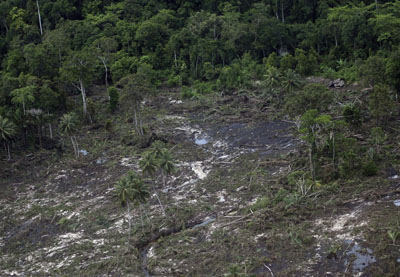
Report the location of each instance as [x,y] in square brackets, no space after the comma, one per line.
[229,207]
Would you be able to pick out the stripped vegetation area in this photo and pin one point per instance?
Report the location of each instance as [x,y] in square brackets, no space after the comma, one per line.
[239,202]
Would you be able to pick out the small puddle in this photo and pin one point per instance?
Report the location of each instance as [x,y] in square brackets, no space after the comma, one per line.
[362,257]
[201,141]
[144,261]
[208,221]
[83,152]
[101,160]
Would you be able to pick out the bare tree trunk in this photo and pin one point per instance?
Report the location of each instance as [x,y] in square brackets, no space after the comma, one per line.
[312,166]
[8,150]
[136,121]
[175,62]
[141,216]
[51,131]
[40,19]
[283,14]
[197,63]
[73,145]
[129,216]
[77,146]
[148,218]
[103,60]
[83,93]
[84,100]
[141,126]
[59,54]
[159,201]
[40,136]
[140,120]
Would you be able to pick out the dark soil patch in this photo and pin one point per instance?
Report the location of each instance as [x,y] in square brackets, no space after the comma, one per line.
[256,135]
[31,234]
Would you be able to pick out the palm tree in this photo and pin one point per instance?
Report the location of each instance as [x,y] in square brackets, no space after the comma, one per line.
[149,165]
[68,127]
[273,78]
[291,80]
[157,148]
[124,192]
[140,193]
[7,131]
[167,165]
[131,188]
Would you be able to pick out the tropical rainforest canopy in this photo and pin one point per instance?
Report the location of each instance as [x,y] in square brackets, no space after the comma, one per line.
[51,49]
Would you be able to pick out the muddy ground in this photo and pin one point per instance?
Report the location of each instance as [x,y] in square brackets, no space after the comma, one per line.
[229,208]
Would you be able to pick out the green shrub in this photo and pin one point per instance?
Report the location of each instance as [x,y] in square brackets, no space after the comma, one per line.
[114,98]
[174,80]
[124,66]
[108,125]
[271,61]
[352,115]
[370,168]
[306,65]
[188,93]
[380,103]
[312,96]
[328,72]
[261,203]
[349,161]
[287,62]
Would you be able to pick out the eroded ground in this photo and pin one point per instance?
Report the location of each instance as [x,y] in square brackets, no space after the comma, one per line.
[229,209]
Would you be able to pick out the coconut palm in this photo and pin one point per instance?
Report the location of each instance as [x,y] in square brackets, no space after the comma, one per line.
[291,80]
[157,148]
[167,165]
[149,165]
[140,193]
[7,131]
[124,192]
[273,78]
[131,188]
[68,126]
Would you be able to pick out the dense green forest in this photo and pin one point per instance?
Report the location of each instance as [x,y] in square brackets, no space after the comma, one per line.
[52,49]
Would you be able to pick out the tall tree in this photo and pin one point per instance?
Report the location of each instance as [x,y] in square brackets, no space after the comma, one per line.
[23,96]
[78,70]
[105,47]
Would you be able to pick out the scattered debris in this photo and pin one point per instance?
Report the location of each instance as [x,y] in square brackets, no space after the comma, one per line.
[338,83]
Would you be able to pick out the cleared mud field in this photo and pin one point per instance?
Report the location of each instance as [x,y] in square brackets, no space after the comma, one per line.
[229,209]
